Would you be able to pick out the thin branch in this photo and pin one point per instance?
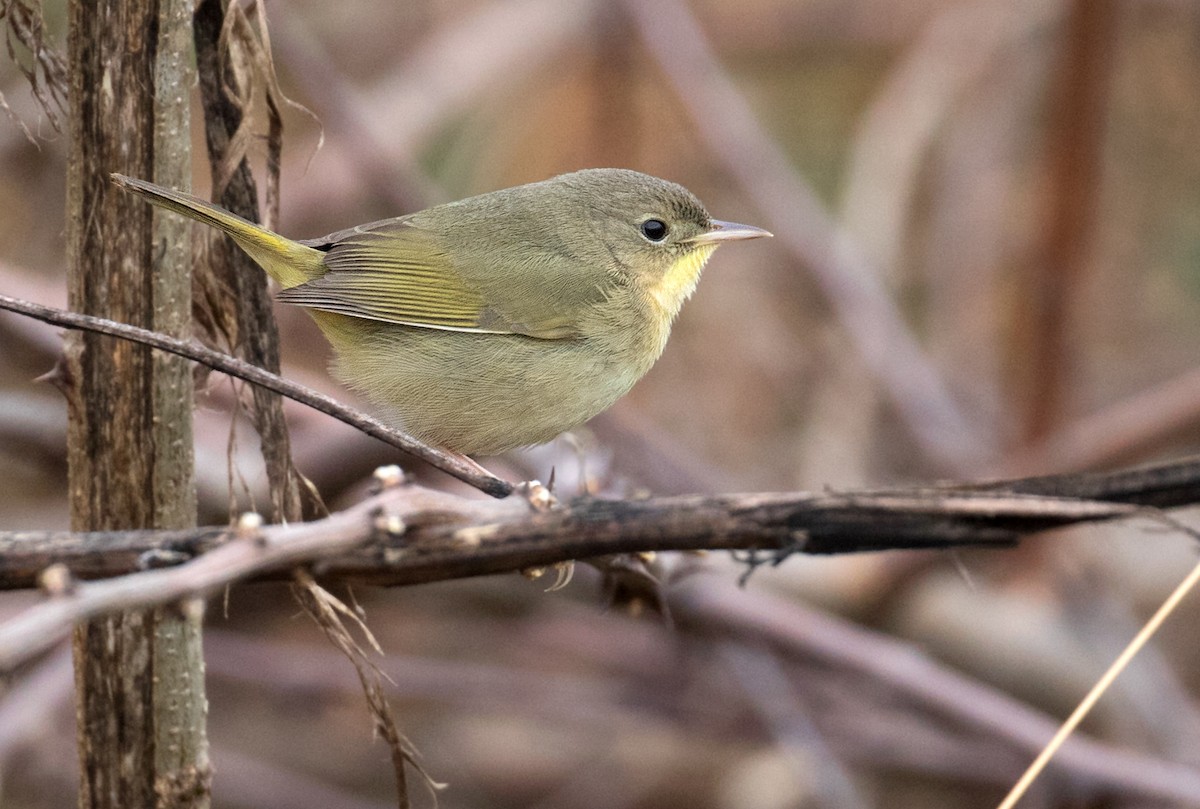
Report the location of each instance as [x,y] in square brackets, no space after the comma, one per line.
[453,464]
[249,552]
[1100,688]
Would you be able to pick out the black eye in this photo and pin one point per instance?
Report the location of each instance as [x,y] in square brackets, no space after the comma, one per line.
[654,229]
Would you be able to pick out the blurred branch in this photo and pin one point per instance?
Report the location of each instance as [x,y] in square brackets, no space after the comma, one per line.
[772,696]
[1078,105]
[796,630]
[911,109]
[384,171]
[925,157]
[459,466]
[33,343]
[1117,433]
[383,130]
[34,429]
[643,452]
[267,663]
[28,707]
[793,212]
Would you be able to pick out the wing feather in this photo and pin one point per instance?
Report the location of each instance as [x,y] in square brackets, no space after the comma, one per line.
[398,271]
[398,275]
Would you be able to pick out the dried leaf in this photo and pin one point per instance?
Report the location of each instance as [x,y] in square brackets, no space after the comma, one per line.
[326,609]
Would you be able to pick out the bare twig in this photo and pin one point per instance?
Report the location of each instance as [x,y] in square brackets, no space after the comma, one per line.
[329,612]
[249,552]
[1102,685]
[459,466]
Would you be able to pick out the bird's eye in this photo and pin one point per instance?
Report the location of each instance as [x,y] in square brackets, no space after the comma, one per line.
[654,229]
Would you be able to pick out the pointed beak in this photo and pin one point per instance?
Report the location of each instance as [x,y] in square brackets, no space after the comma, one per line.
[728,232]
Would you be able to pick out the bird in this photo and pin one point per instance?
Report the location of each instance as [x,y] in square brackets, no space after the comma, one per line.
[501,320]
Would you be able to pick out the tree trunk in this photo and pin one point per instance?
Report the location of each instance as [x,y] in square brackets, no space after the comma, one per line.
[139,675]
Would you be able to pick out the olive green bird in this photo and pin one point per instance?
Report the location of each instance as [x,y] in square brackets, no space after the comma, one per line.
[501,320]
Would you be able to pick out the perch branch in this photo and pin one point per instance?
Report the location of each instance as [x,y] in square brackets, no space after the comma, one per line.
[409,535]
[449,537]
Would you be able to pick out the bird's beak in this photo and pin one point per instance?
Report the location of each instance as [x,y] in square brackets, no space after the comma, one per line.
[728,232]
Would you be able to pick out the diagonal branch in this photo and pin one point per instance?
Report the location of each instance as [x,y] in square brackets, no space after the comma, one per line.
[451,463]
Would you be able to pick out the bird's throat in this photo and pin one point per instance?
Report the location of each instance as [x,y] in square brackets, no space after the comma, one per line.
[679,282]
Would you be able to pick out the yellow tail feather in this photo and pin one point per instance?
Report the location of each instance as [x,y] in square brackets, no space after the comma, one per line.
[288,262]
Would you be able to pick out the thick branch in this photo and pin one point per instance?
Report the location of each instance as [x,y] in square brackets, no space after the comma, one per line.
[453,464]
[140,705]
[447,536]
[410,534]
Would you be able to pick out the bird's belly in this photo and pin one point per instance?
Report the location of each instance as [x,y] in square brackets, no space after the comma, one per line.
[480,393]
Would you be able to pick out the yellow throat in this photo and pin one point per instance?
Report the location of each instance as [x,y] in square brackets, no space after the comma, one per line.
[679,282]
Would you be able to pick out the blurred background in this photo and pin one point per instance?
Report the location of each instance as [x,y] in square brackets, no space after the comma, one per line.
[986,263]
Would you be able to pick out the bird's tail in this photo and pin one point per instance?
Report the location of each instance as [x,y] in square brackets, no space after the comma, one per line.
[288,262]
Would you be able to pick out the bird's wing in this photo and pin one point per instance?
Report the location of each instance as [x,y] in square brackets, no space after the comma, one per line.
[395,272]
